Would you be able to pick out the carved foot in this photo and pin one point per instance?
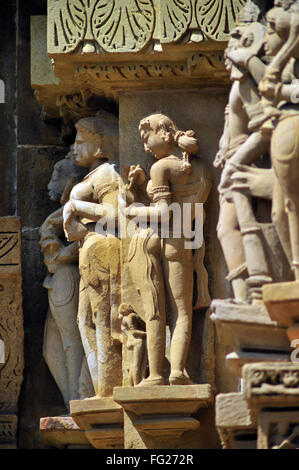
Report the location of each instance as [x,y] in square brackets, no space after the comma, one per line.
[177,378]
[150,381]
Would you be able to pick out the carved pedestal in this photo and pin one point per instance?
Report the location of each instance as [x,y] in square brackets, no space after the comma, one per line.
[236,426]
[245,334]
[282,302]
[101,419]
[11,328]
[157,417]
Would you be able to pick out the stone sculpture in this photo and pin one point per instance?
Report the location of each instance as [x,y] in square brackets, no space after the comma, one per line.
[282,110]
[162,268]
[134,339]
[243,144]
[93,199]
[62,347]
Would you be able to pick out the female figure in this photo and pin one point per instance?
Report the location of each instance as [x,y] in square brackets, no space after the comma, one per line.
[282,43]
[62,347]
[163,268]
[95,148]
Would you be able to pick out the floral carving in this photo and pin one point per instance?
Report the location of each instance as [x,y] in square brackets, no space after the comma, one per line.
[132,25]
[218,17]
[123,26]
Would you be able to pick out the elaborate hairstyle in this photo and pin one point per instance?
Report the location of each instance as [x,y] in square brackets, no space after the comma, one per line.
[185,140]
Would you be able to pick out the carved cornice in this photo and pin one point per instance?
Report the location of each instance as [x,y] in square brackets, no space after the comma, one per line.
[271,379]
[115,26]
[100,48]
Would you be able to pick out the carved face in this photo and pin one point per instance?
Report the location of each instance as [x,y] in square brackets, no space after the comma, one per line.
[155,137]
[60,176]
[272,42]
[86,150]
[277,30]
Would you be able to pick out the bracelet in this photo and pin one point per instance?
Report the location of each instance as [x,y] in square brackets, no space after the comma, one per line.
[248,60]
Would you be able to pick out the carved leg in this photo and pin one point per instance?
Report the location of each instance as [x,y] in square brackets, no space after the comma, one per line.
[285,153]
[53,353]
[280,218]
[146,271]
[108,351]
[293,216]
[64,310]
[252,238]
[230,237]
[137,361]
[178,271]
[88,334]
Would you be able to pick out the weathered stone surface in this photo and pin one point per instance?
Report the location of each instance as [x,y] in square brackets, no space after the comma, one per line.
[11,326]
[62,432]
[102,421]
[152,400]
[159,416]
[244,333]
[232,411]
[35,166]
[276,383]
[278,429]
[165,22]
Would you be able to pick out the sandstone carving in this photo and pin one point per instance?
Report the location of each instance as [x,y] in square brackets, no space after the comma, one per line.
[93,199]
[62,348]
[134,339]
[162,268]
[11,327]
[242,144]
[95,26]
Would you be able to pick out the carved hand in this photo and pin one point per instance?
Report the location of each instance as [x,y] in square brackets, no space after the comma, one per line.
[225,181]
[136,176]
[259,180]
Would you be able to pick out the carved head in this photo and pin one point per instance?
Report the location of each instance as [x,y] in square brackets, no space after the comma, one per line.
[64,176]
[278,27]
[160,134]
[97,138]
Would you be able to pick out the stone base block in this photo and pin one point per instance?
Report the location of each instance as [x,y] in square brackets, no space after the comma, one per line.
[102,421]
[245,334]
[235,422]
[157,417]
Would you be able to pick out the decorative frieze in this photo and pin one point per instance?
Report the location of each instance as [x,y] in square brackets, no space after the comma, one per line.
[97,26]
